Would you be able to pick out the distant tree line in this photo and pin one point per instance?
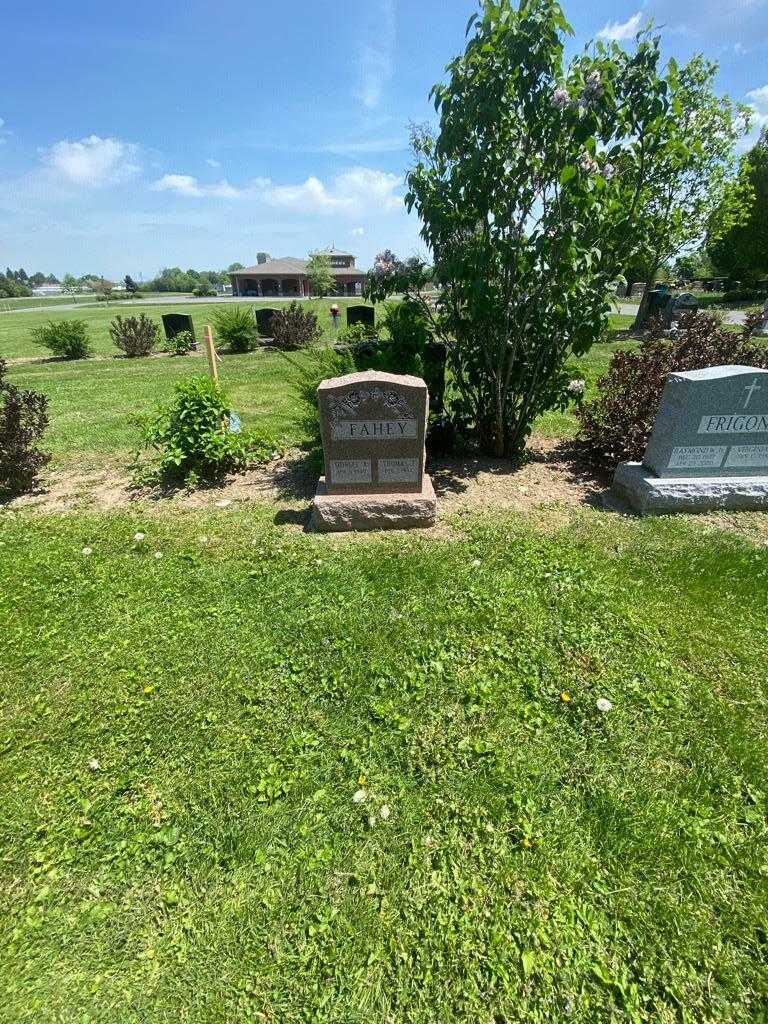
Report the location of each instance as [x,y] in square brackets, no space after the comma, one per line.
[15,283]
[174,279]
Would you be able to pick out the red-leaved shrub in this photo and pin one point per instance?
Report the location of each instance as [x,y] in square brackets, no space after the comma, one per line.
[616,425]
[23,418]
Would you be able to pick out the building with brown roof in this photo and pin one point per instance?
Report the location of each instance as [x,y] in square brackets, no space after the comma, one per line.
[288,276]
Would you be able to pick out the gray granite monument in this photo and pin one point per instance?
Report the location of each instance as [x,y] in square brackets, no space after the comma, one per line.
[373,427]
[764,328]
[709,445]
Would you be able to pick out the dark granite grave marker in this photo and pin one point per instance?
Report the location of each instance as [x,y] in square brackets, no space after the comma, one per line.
[176,323]
[360,315]
[263,317]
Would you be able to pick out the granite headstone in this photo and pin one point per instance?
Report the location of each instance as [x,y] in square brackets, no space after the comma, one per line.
[263,317]
[709,444]
[360,315]
[176,323]
[373,427]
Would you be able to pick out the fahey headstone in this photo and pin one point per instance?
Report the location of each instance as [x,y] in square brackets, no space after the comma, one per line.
[709,445]
[373,426]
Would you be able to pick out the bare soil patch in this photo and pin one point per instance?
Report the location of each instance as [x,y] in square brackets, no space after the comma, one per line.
[550,486]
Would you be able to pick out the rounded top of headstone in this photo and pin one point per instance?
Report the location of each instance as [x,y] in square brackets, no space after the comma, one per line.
[403,380]
[716,373]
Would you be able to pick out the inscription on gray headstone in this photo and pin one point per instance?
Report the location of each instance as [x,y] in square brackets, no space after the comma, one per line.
[710,423]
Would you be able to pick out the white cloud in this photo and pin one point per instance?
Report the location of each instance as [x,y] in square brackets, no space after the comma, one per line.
[376,58]
[352,192]
[92,161]
[617,31]
[212,163]
[759,105]
[358,232]
[187,185]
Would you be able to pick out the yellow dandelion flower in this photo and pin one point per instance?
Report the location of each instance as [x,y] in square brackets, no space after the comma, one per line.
[565,697]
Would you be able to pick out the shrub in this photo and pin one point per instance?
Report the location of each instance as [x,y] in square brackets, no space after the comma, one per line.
[134,335]
[191,437]
[294,327]
[307,375]
[203,291]
[354,333]
[236,327]
[23,419]
[180,344]
[616,425]
[67,338]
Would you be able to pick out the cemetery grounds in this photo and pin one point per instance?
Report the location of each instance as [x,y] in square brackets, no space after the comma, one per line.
[508,769]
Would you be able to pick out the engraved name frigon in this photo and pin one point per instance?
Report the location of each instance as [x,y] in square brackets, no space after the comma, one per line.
[374,430]
[735,423]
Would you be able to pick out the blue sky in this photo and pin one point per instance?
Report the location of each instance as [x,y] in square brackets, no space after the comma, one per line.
[196,134]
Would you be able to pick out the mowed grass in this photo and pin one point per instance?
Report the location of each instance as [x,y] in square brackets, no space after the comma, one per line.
[184,736]
[95,404]
[16,328]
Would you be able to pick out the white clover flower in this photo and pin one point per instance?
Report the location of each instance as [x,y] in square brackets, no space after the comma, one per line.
[139,536]
[158,554]
[94,765]
[476,562]
[576,388]
[87,551]
[603,704]
[360,796]
[384,812]
[204,539]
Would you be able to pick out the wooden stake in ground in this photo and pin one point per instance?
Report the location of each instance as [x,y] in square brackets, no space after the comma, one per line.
[213,359]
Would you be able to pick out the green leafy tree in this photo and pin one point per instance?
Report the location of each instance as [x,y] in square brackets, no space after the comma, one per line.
[691,186]
[321,279]
[130,285]
[528,197]
[70,284]
[742,251]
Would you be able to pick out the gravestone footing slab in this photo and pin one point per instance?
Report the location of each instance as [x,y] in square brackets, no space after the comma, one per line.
[650,494]
[338,513]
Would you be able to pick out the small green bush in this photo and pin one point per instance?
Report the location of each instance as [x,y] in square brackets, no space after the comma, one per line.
[23,419]
[67,338]
[134,335]
[190,438]
[354,333]
[295,327]
[305,378]
[180,344]
[203,291]
[236,327]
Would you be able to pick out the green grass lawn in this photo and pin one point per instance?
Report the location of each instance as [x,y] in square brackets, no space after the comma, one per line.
[183,739]
[94,404]
[41,301]
[16,328]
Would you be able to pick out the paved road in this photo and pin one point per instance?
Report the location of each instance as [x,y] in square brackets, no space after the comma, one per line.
[626,308]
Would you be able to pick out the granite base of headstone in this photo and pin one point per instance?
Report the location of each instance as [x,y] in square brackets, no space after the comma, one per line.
[709,446]
[373,427]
